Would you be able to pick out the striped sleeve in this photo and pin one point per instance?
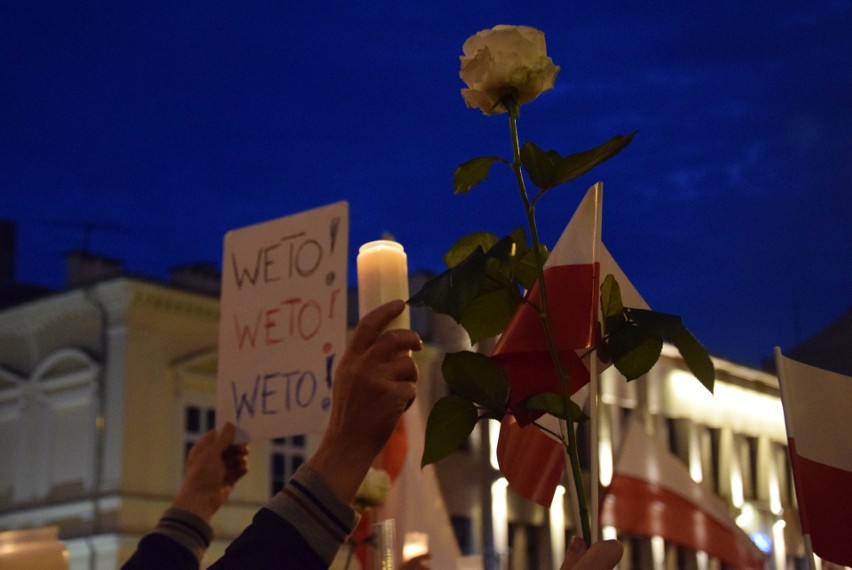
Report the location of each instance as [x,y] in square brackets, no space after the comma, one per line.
[323,520]
[187,529]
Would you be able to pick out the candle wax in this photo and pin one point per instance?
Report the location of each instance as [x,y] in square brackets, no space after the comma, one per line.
[383,277]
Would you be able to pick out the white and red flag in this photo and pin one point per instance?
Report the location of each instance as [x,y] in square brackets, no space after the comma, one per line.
[652,494]
[572,274]
[817,404]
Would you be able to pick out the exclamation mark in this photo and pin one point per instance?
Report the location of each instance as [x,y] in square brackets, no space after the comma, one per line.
[332,230]
[329,363]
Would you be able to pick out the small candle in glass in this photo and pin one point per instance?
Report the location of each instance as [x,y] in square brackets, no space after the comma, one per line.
[383,277]
[416,544]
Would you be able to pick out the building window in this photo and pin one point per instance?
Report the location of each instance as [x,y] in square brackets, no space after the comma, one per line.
[715,457]
[197,420]
[286,455]
[523,541]
[757,470]
[674,447]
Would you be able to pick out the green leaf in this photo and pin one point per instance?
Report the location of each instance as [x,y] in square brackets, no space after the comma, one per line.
[671,329]
[466,245]
[472,172]
[553,404]
[611,306]
[453,290]
[503,249]
[575,165]
[540,165]
[634,350]
[477,378]
[450,422]
[660,324]
[526,269]
[695,356]
[489,313]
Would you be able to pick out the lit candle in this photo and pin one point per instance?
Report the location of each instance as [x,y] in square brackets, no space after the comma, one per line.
[383,277]
[416,544]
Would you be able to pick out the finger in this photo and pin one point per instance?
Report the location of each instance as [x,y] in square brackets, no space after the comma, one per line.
[394,342]
[402,369]
[576,548]
[604,554]
[236,452]
[225,437]
[371,325]
[204,442]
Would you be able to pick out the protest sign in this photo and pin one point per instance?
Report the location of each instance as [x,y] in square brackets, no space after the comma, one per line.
[282,322]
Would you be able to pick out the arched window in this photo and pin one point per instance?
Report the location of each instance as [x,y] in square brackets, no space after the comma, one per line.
[50,417]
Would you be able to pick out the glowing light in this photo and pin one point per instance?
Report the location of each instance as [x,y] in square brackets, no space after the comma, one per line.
[780,544]
[658,551]
[557,527]
[746,519]
[609,533]
[737,497]
[695,470]
[416,544]
[762,541]
[500,515]
[774,494]
[702,560]
[493,436]
[605,461]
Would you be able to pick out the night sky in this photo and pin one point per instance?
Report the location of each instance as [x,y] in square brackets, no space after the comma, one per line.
[144,131]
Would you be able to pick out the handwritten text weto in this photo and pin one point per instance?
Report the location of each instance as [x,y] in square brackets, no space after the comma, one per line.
[283,321]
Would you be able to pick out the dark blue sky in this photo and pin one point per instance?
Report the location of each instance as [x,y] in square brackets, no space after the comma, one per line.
[165,124]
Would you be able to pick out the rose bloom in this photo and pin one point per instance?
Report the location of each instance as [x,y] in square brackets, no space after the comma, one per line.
[505,61]
[374,489]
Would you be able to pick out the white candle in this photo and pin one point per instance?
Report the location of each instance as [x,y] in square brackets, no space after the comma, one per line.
[383,277]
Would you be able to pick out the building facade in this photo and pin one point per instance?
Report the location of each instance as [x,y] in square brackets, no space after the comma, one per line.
[104,386]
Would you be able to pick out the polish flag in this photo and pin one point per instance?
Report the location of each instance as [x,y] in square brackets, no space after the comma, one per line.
[572,273]
[652,494]
[816,409]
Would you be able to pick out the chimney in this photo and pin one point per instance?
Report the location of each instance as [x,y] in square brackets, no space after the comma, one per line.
[7,253]
[84,268]
[201,277]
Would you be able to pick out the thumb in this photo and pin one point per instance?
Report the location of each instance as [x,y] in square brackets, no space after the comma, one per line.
[225,437]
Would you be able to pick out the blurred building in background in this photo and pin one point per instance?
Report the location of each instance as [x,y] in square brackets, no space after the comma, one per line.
[106,384]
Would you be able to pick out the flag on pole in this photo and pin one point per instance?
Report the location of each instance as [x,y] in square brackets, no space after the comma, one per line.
[572,274]
[816,409]
[652,494]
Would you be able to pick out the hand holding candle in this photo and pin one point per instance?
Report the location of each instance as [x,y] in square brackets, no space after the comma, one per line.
[383,277]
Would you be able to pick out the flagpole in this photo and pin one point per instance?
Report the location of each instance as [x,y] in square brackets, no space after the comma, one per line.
[809,551]
[594,391]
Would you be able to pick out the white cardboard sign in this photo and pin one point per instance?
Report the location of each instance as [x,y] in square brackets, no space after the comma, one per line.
[282,324]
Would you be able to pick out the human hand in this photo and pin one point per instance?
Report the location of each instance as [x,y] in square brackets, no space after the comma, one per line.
[213,467]
[603,555]
[373,385]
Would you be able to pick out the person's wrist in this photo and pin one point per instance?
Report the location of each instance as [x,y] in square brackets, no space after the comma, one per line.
[342,464]
[192,502]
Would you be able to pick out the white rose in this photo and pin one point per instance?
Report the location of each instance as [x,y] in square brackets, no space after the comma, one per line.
[374,489]
[505,61]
